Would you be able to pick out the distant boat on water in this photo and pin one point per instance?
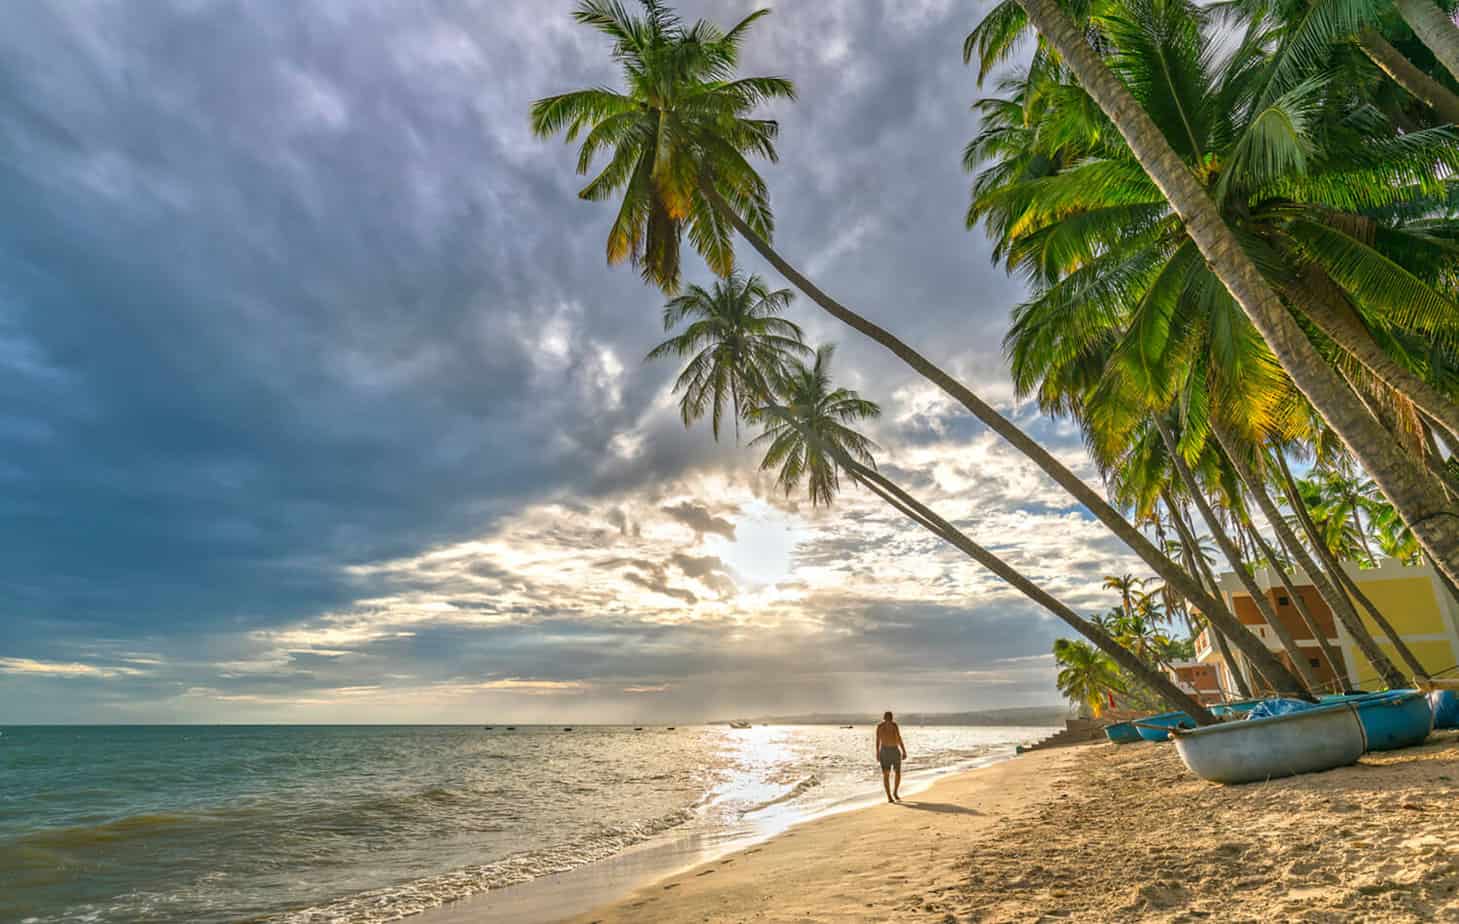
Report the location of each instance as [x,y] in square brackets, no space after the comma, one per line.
[511,728]
[848,726]
[671,728]
[567,728]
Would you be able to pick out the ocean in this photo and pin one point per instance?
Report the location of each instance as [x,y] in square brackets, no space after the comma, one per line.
[355,824]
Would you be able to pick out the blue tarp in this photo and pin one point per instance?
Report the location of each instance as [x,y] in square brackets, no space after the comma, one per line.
[1268,708]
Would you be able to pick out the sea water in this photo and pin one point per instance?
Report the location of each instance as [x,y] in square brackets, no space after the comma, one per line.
[298,825]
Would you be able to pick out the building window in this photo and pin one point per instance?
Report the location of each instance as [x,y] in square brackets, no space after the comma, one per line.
[1283,601]
[1314,662]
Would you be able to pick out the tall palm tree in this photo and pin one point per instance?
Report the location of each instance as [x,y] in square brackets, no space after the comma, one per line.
[801,442]
[1299,29]
[736,343]
[1414,492]
[809,439]
[1086,675]
[1435,28]
[675,74]
[682,117]
[1129,313]
[1128,585]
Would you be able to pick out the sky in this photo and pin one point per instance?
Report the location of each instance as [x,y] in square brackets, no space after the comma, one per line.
[321,404]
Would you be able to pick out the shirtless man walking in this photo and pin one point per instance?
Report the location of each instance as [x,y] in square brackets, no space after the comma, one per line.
[889,752]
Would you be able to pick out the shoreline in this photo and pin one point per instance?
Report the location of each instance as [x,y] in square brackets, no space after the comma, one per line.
[626,886]
[1091,833]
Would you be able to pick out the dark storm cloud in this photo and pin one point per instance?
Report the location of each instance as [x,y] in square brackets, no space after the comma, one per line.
[289,288]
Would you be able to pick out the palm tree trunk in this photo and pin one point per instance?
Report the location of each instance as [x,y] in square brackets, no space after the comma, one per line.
[1184,584]
[1340,579]
[1449,586]
[1435,457]
[1362,531]
[1337,601]
[1308,619]
[1403,72]
[1405,654]
[1233,556]
[925,517]
[1435,29]
[1344,328]
[1196,563]
[1153,679]
[1415,494]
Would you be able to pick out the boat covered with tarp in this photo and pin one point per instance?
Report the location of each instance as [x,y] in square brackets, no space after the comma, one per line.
[1233,709]
[1271,744]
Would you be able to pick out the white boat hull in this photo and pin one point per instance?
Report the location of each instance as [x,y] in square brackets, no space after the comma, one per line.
[1249,750]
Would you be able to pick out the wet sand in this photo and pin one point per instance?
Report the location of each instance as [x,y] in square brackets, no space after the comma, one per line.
[1098,833]
[1102,833]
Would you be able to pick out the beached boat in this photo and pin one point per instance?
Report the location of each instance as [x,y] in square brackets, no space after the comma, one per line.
[1122,733]
[1306,741]
[1157,727]
[1445,704]
[1396,719]
[739,725]
[1233,709]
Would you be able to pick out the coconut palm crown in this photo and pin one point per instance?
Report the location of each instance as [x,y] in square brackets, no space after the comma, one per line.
[809,425]
[737,344]
[681,124]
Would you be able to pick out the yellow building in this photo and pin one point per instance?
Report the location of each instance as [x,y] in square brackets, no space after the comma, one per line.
[1411,597]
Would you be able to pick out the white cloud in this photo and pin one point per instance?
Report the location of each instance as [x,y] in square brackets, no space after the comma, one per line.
[64,668]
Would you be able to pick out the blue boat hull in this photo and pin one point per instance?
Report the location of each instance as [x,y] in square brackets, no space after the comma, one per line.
[1284,745]
[1397,719]
[1445,704]
[1165,721]
[1122,733]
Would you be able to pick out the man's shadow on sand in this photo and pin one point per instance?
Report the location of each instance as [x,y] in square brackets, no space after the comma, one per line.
[942,808]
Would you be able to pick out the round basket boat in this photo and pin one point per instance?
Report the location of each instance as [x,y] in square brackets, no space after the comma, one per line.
[1264,749]
[1396,719]
[1157,727]
[1122,733]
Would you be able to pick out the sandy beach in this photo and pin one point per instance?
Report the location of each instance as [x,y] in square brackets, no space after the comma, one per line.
[1099,833]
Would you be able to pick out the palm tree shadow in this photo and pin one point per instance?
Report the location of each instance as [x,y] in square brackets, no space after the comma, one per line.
[942,808]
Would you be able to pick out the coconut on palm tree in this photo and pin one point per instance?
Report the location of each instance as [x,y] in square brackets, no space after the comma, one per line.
[677,141]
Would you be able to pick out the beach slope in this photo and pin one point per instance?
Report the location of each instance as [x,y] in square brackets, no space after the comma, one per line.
[874,864]
[1098,833]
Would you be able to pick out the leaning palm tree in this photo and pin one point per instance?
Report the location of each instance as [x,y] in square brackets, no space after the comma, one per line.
[677,142]
[1414,491]
[736,343]
[682,123]
[810,439]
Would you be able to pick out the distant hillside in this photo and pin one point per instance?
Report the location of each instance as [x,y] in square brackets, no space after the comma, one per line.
[1019,715]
